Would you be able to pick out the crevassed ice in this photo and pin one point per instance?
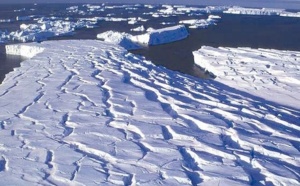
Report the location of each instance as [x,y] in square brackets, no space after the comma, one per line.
[90,113]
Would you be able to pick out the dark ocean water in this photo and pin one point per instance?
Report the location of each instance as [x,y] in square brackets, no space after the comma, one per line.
[231,31]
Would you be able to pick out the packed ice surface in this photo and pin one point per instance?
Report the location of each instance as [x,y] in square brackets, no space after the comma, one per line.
[152,37]
[269,74]
[90,113]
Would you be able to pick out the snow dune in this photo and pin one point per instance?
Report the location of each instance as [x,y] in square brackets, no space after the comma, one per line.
[90,113]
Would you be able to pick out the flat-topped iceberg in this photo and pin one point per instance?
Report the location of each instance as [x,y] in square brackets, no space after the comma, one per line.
[162,36]
[261,11]
[90,113]
[253,11]
[290,14]
[152,37]
[205,10]
[171,10]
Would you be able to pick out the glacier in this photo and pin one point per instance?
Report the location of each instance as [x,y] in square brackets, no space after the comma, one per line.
[90,113]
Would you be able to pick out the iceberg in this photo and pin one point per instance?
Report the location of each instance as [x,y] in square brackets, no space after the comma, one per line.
[89,112]
[162,36]
[199,11]
[201,23]
[138,29]
[134,20]
[253,11]
[122,39]
[290,14]
[152,37]
[171,10]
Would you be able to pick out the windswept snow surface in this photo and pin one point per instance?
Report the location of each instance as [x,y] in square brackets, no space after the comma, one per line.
[88,112]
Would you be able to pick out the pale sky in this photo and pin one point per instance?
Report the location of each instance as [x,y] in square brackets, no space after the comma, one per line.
[288,4]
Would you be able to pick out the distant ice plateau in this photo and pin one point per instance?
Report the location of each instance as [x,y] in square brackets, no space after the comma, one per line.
[90,113]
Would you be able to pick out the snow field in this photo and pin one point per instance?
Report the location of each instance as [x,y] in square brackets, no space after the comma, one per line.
[91,113]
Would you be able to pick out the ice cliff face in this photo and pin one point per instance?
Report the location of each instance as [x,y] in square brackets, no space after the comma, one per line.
[24,50]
